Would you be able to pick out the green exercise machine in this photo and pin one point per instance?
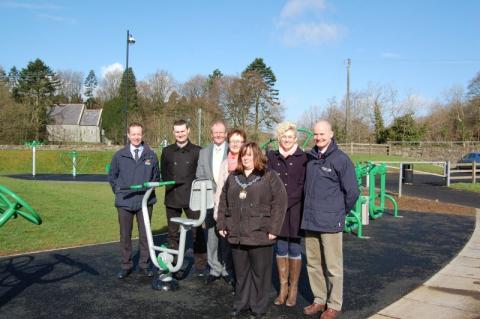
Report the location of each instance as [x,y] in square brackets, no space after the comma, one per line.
[12,205]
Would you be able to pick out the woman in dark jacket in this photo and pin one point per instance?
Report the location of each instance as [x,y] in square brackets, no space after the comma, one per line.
[290,164]
[250,215]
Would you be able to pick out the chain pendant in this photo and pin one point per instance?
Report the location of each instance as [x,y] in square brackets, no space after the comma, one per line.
[243,194]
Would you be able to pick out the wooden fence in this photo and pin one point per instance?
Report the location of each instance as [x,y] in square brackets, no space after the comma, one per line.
[463,172]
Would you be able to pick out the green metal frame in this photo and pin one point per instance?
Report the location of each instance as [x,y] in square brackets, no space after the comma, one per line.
[274,141]
[12,205]
[353,221]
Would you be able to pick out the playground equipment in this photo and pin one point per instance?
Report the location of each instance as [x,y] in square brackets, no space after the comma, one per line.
[33,144]
[273,143]
[77,161]
[12,205]
[201,198]
[366,206]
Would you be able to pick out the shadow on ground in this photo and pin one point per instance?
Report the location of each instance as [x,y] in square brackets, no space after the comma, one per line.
[400,254]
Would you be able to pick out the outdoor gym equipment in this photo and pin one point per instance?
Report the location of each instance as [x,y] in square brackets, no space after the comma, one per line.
[358,215]
[12,205]
[33,144]
[78,161]
[201,199]
[375,210]
[273,142]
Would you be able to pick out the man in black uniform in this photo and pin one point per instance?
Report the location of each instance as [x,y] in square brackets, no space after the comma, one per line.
[136,163]
[179,163]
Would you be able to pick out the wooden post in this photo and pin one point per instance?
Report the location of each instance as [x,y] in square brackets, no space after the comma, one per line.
[474,172]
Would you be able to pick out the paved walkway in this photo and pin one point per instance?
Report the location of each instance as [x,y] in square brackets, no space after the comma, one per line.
[454,292]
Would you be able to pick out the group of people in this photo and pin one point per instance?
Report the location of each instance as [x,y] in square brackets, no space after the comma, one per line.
[264,205]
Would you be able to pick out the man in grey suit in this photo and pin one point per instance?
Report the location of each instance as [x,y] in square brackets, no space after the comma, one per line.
[209,162]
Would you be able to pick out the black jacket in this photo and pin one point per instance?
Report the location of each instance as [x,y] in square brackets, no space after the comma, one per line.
[179,165]
[248,221]
[125,172]
[331,190]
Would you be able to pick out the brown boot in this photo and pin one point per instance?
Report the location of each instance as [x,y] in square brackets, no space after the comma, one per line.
[295,266]
[282,265]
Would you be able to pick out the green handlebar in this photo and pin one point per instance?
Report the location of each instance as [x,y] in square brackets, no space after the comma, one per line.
[151,184]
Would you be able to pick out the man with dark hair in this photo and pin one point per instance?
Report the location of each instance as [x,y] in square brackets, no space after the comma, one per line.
[330,190]
[179,163]
[136,163]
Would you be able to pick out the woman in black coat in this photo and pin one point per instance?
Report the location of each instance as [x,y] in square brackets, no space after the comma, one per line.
[290,164]
[251,210]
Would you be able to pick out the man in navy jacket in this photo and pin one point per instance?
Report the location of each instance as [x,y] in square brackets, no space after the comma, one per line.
[136,163]
[331,190]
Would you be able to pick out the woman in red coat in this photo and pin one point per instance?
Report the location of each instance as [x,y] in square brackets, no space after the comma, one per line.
[290,164]
[250,215]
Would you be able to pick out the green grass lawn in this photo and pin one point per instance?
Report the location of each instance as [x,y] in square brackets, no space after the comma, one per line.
[72,213]
[466,187]
[384,158]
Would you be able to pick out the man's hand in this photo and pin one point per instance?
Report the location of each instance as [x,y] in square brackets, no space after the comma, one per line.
[271,237]
[223,233]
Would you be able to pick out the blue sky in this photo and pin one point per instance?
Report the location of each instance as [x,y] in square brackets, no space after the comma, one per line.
[420,47]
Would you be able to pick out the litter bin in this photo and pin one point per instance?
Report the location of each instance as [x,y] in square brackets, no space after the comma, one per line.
[407,173]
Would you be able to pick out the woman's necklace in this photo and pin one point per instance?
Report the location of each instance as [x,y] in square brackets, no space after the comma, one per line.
[243,186]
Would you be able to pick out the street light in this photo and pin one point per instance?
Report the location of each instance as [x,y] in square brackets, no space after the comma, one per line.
[130,40]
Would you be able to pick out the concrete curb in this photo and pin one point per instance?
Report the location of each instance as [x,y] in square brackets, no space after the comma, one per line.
[453,292]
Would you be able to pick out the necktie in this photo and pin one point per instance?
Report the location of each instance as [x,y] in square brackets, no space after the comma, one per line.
[136,154]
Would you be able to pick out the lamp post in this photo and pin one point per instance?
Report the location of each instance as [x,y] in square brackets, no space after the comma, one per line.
[130,40]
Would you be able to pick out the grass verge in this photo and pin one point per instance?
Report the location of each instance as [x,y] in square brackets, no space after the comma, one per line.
[467,187]
[72,213]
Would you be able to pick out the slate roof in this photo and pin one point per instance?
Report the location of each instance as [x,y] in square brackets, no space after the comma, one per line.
[74,114]
[91,117]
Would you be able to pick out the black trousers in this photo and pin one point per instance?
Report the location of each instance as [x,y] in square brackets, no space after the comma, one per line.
[199,244]
[253,270]
[125,219]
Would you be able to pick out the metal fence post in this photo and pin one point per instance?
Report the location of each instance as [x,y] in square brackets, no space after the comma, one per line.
[400,177]
[447,168]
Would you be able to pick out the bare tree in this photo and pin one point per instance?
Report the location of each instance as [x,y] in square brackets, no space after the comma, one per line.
[110,85]
[70,88]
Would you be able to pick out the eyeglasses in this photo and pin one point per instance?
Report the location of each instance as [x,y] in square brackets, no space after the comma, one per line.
[285,137]
[236,142]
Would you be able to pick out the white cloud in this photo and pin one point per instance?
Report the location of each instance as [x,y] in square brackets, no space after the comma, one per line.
[294,8]
[301,23]
[314,33]
[29,6]
[56,18]
[112,68]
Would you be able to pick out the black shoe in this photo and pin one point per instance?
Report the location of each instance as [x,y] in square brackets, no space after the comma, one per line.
[124,273]
[229,280]
[211,278]
[179,275]
[235,313]
[146,272]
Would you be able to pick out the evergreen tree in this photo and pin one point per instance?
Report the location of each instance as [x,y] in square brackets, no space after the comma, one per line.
[131,92]
[264,99]
[113,119]
[216,74]
[404,128]
[380,132]
[90,86]
[37,84]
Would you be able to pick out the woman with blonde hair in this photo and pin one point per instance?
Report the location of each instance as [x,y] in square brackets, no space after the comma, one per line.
[289,162]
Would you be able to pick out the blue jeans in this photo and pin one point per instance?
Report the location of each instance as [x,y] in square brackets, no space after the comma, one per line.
[288,247]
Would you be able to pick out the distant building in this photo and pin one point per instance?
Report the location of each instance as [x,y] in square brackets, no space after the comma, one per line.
[74,123]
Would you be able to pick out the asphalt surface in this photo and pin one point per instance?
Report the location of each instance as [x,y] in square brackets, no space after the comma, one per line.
[400,255]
